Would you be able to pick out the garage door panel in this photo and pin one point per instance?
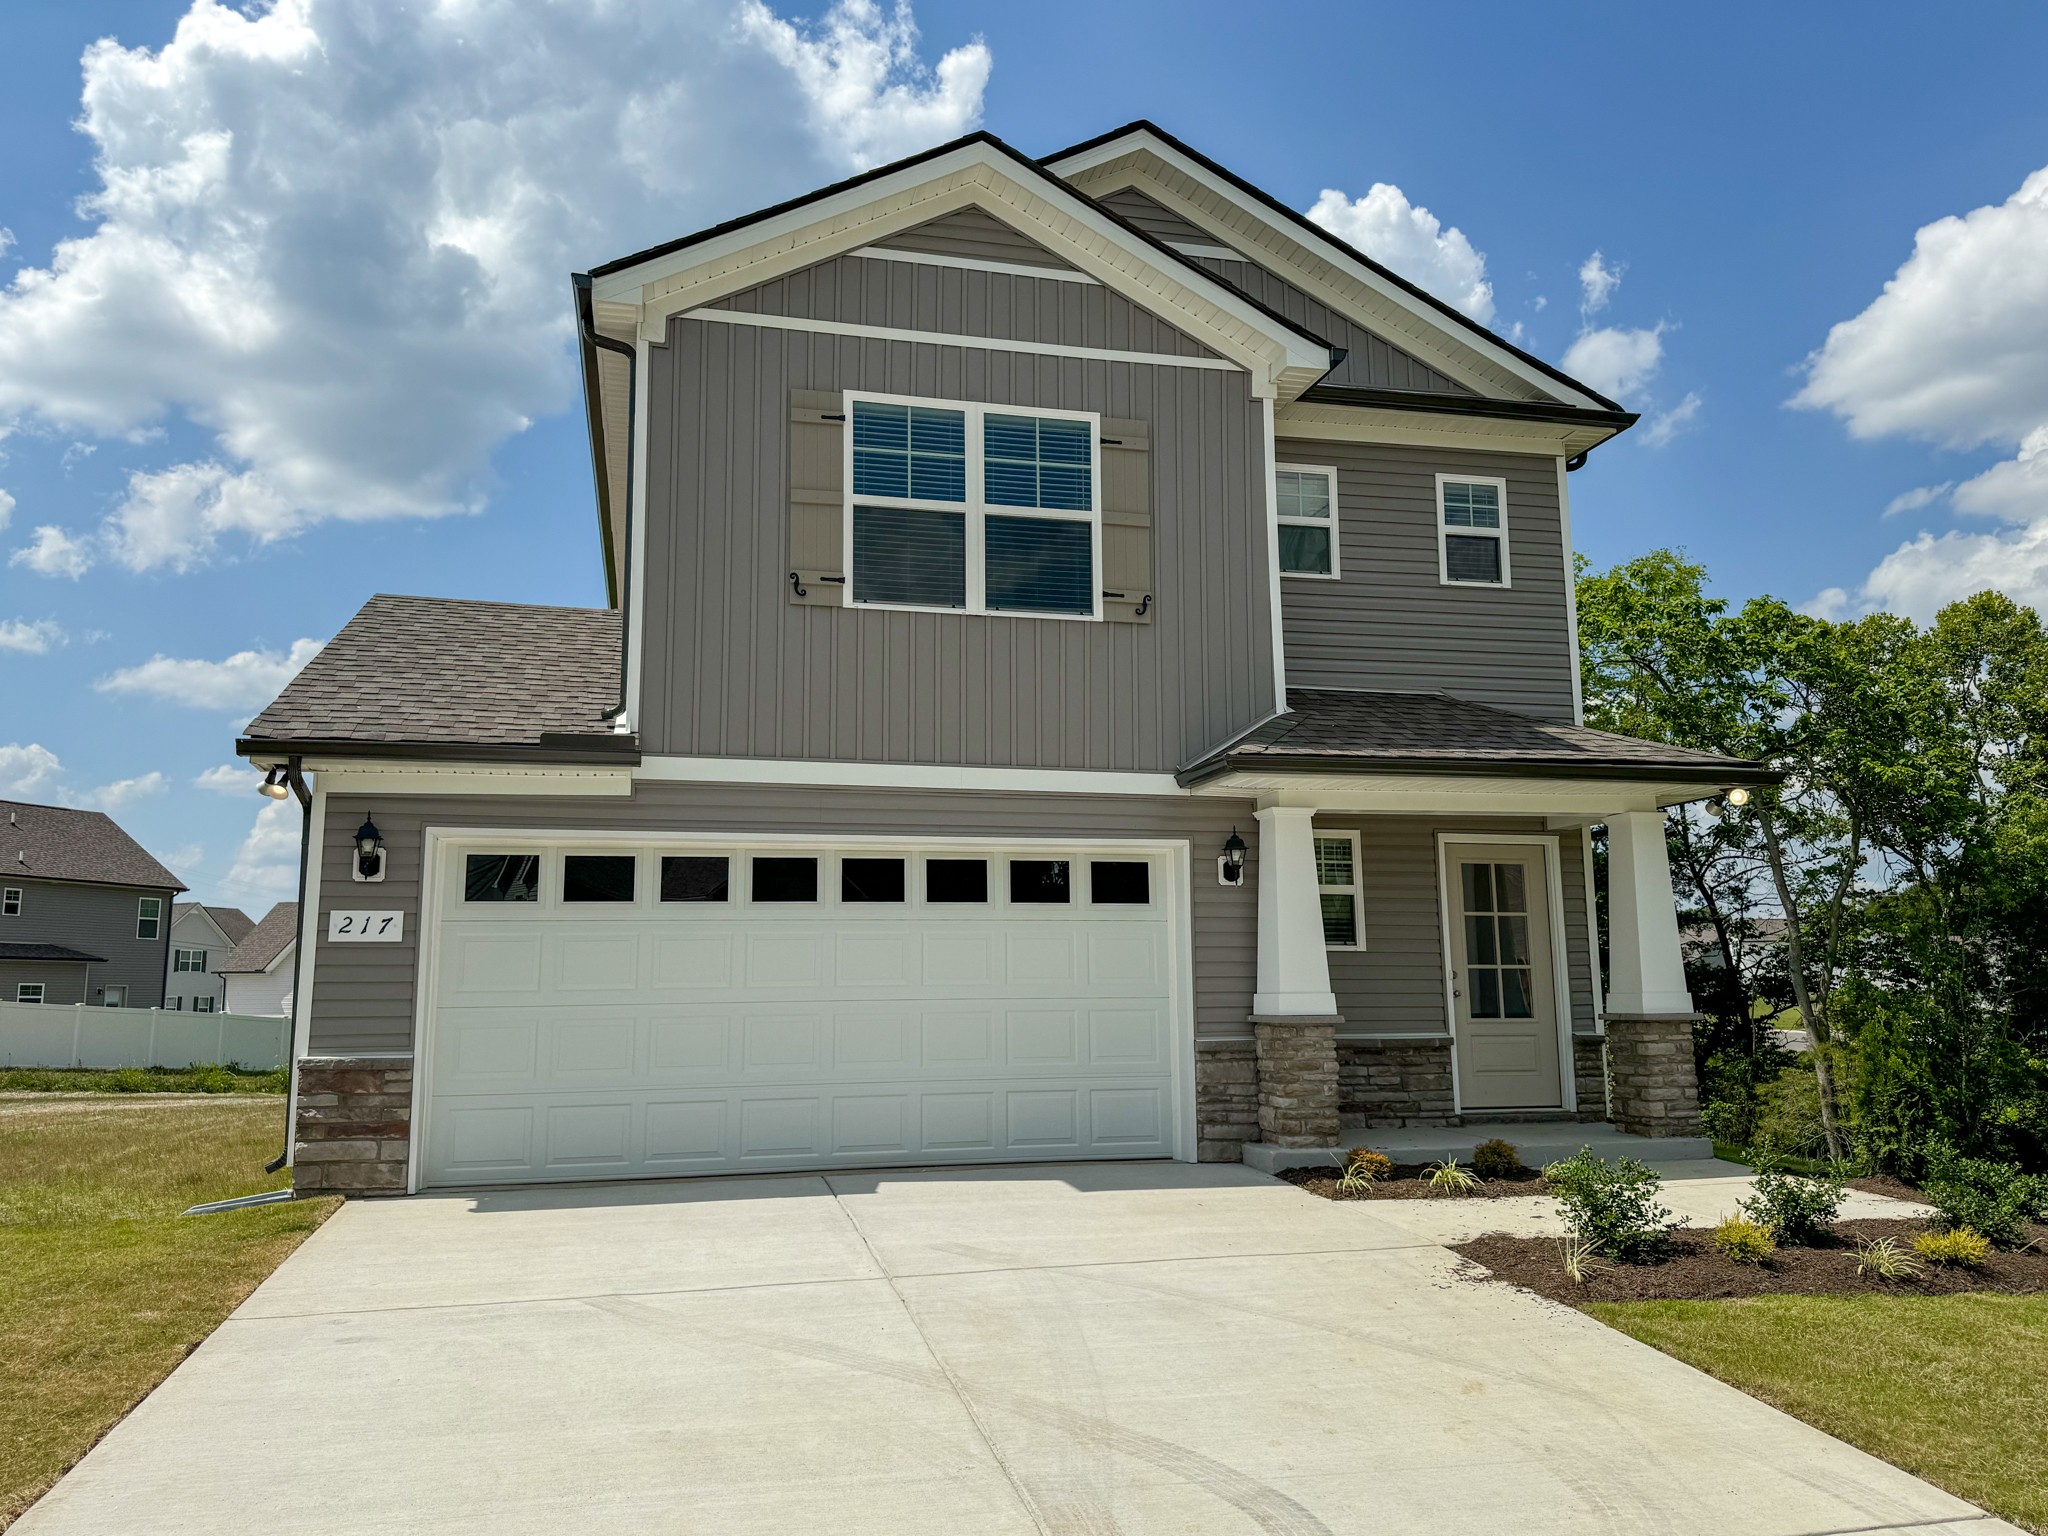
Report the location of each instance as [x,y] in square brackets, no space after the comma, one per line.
[782,1127]
[1040,959]
[589,1138]
[782,1043]
[591,962]
[693,962]
[958,1122]
[1127,1037]
[875,1040]
[1044,1119]
[1037,1038]
[1127,956]
[781,961]
[488,1051]
[691,1047]
[684,1134]
[957,1038]
[875,960]
[960,959]
[476,964]
[1133,1118]
[585,1047]
[871,1124]
[486,1139]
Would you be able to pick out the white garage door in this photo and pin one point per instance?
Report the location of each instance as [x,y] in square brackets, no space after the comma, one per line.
[660,1009]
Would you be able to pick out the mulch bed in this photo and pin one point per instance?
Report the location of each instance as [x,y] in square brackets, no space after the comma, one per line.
[1885,1184]
[1693,1270]
[1409,1181]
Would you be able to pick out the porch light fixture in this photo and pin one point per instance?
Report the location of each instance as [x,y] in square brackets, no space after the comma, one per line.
[369,852]
[274,785]
[1738,796]
[1230,865]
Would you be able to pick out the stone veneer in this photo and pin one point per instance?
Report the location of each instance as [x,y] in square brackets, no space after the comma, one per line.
[1297,1071]
[1395,1082]
[1589,1071]
[355,1125]
[1655,1090]
[1226,1099]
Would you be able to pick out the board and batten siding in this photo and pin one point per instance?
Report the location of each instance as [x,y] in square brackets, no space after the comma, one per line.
[1395,985]
[1154,217]
[362,995]
[99,920]
[1391,623]
[732,668]
[977,235]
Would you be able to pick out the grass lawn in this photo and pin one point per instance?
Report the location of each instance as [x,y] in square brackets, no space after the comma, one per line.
[103,1287]
[1952,1388]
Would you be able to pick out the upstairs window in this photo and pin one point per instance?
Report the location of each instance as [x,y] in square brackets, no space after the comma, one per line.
[1306,500]
[149,917]
[188,960]
[974,509]
[1472,531]
[10,901]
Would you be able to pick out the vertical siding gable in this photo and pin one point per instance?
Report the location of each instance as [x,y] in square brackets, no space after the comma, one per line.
[976,234]
[1369,363]
[1153,217]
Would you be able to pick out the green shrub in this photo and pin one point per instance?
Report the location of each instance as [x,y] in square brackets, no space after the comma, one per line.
[129,1080]
[1992,1198]
[210,1078]
[1793,1208]
[1447,1178]
[1613,1206]
[1959,1246]
[1497,1159]
[1744,1241]
[1884,1258]
[1362,1167]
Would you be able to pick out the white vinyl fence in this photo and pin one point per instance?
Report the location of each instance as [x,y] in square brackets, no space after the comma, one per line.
[80,1035]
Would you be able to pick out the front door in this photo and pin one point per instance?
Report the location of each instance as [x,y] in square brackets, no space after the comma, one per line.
[1503,990]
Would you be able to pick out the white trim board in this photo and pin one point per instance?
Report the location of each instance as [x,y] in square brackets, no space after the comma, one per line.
[307,946]
[835,775]
[953,339]
[976,264]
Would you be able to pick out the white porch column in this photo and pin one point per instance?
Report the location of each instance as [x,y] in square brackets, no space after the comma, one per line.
[1294,967]
[1645,974]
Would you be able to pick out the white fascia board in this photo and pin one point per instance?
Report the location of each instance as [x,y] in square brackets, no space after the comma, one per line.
[375,776]
[291,947]
[975,174]
[1464,794]
[1429,322]
[1425,429]
[831,775]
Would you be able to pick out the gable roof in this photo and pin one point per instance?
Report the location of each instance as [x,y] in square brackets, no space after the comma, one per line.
[1076,158]
[55,842]
[232,922]
[266,941]
[59,952]
[455,678]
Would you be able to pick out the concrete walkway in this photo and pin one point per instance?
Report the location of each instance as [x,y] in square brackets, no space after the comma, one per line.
[1141,1349]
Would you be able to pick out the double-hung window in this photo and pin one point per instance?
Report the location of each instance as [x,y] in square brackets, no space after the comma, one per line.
[149,916]
[973,508]
[188,960]
[1306,499]
[1337,885]
[1472,530]
[10,901]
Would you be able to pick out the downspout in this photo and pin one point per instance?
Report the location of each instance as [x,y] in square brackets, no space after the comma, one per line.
[293,777]
[586,320]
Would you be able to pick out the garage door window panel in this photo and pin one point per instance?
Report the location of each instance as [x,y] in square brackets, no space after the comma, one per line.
[598,877]
[1119,883]
[871,880]
[1039,882]
[501,877]
[956,882]
[782,879]
[696,877]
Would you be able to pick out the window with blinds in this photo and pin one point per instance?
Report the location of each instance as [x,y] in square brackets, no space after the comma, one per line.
[1305,499]
[1472,531]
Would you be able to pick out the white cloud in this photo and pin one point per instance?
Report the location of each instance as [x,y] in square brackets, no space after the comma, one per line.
[246,680]
[266,866]
[33,772]
[53,552]
[1413,242]
[1618,363]
[124,792]
[1665,425]
[30,637]
[335,236]
[6,508]
[184,861]
[229,779]
[1597,282]
[1920,496]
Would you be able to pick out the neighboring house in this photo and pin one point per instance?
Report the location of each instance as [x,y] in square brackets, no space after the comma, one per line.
[202,938]
[260,974]
[996,548]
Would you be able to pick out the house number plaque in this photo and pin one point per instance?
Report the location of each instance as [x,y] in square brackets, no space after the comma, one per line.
[365,927]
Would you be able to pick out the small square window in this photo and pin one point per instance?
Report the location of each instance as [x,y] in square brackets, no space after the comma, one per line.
[29,992]
[783,879]
[10,901]
[865,880]
[954,881]
[502,877]
[203,1005]
[695,877]
[1039,882]
[114,997]
[597,877]
[1119,883]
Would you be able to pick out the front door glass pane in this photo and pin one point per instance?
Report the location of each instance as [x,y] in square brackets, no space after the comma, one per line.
[1498,961]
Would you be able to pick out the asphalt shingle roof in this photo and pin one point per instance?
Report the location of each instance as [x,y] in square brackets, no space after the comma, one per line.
[279,927]
[55,842]
[1342,730]
[451,673]
[46,952]
[232,921]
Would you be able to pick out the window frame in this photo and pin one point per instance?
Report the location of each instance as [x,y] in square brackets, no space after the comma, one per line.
[1355,890]
[22,988]
[1498,535]
[154,919]
[107,995]
[11,899]
[179,954]
[206,1005]
[975,508]
[1329,473]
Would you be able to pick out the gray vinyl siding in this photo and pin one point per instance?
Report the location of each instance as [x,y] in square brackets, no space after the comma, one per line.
[362,994]
[733,668]
[1395,985]
[976,234]
[1390,622]
[1153,217]
[99,920]
[965,301]
[63,981]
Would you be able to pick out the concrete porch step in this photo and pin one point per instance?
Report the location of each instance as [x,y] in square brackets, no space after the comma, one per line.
[1538,1142]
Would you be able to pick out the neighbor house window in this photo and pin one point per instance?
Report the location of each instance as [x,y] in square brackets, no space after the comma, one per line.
[974,509]
[1472,531]
[1337,883]
[10,901]
[175,1004]
[204,1005]
[149,916]
[115,997]
[188,960]
[1306,499]
[29,992]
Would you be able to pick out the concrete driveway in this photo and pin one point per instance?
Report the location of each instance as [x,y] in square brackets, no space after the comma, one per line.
[1136,1348]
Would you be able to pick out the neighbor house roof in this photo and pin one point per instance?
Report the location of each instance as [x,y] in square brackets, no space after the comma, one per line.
[233,922]
[266,941]
[55,842]
[1337,730]
[47,952]
[453,678]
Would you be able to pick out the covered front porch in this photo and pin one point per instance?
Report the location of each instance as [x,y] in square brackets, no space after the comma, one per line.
[1428,960]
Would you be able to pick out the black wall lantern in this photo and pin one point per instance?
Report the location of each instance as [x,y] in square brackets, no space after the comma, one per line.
[1230,864]
[369,852]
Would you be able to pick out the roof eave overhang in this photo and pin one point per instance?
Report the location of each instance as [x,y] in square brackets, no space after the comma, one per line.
[1508,426]
[554,751]
[1422,778]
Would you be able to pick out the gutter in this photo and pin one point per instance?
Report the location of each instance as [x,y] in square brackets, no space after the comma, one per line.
[606,750]
[1467,405]
[620,580]
[1735,771]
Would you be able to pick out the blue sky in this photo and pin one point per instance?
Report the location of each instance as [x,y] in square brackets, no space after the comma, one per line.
[257,395]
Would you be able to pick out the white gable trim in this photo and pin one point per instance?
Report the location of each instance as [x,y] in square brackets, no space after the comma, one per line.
[974,264]
[953,339]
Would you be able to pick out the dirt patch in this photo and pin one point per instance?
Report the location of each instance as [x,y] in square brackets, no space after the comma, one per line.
[1409,1181]
[1692,1270]
[1885,1184]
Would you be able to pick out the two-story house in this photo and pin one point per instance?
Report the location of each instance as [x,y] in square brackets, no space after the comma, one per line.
[259,977]
[1089,673]
[85,912]
[202,938]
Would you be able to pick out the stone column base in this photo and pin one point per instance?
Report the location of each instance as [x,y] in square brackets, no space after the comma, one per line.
[354,1129]
[1226,1099]
[1297,1064]
[1653,1088]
